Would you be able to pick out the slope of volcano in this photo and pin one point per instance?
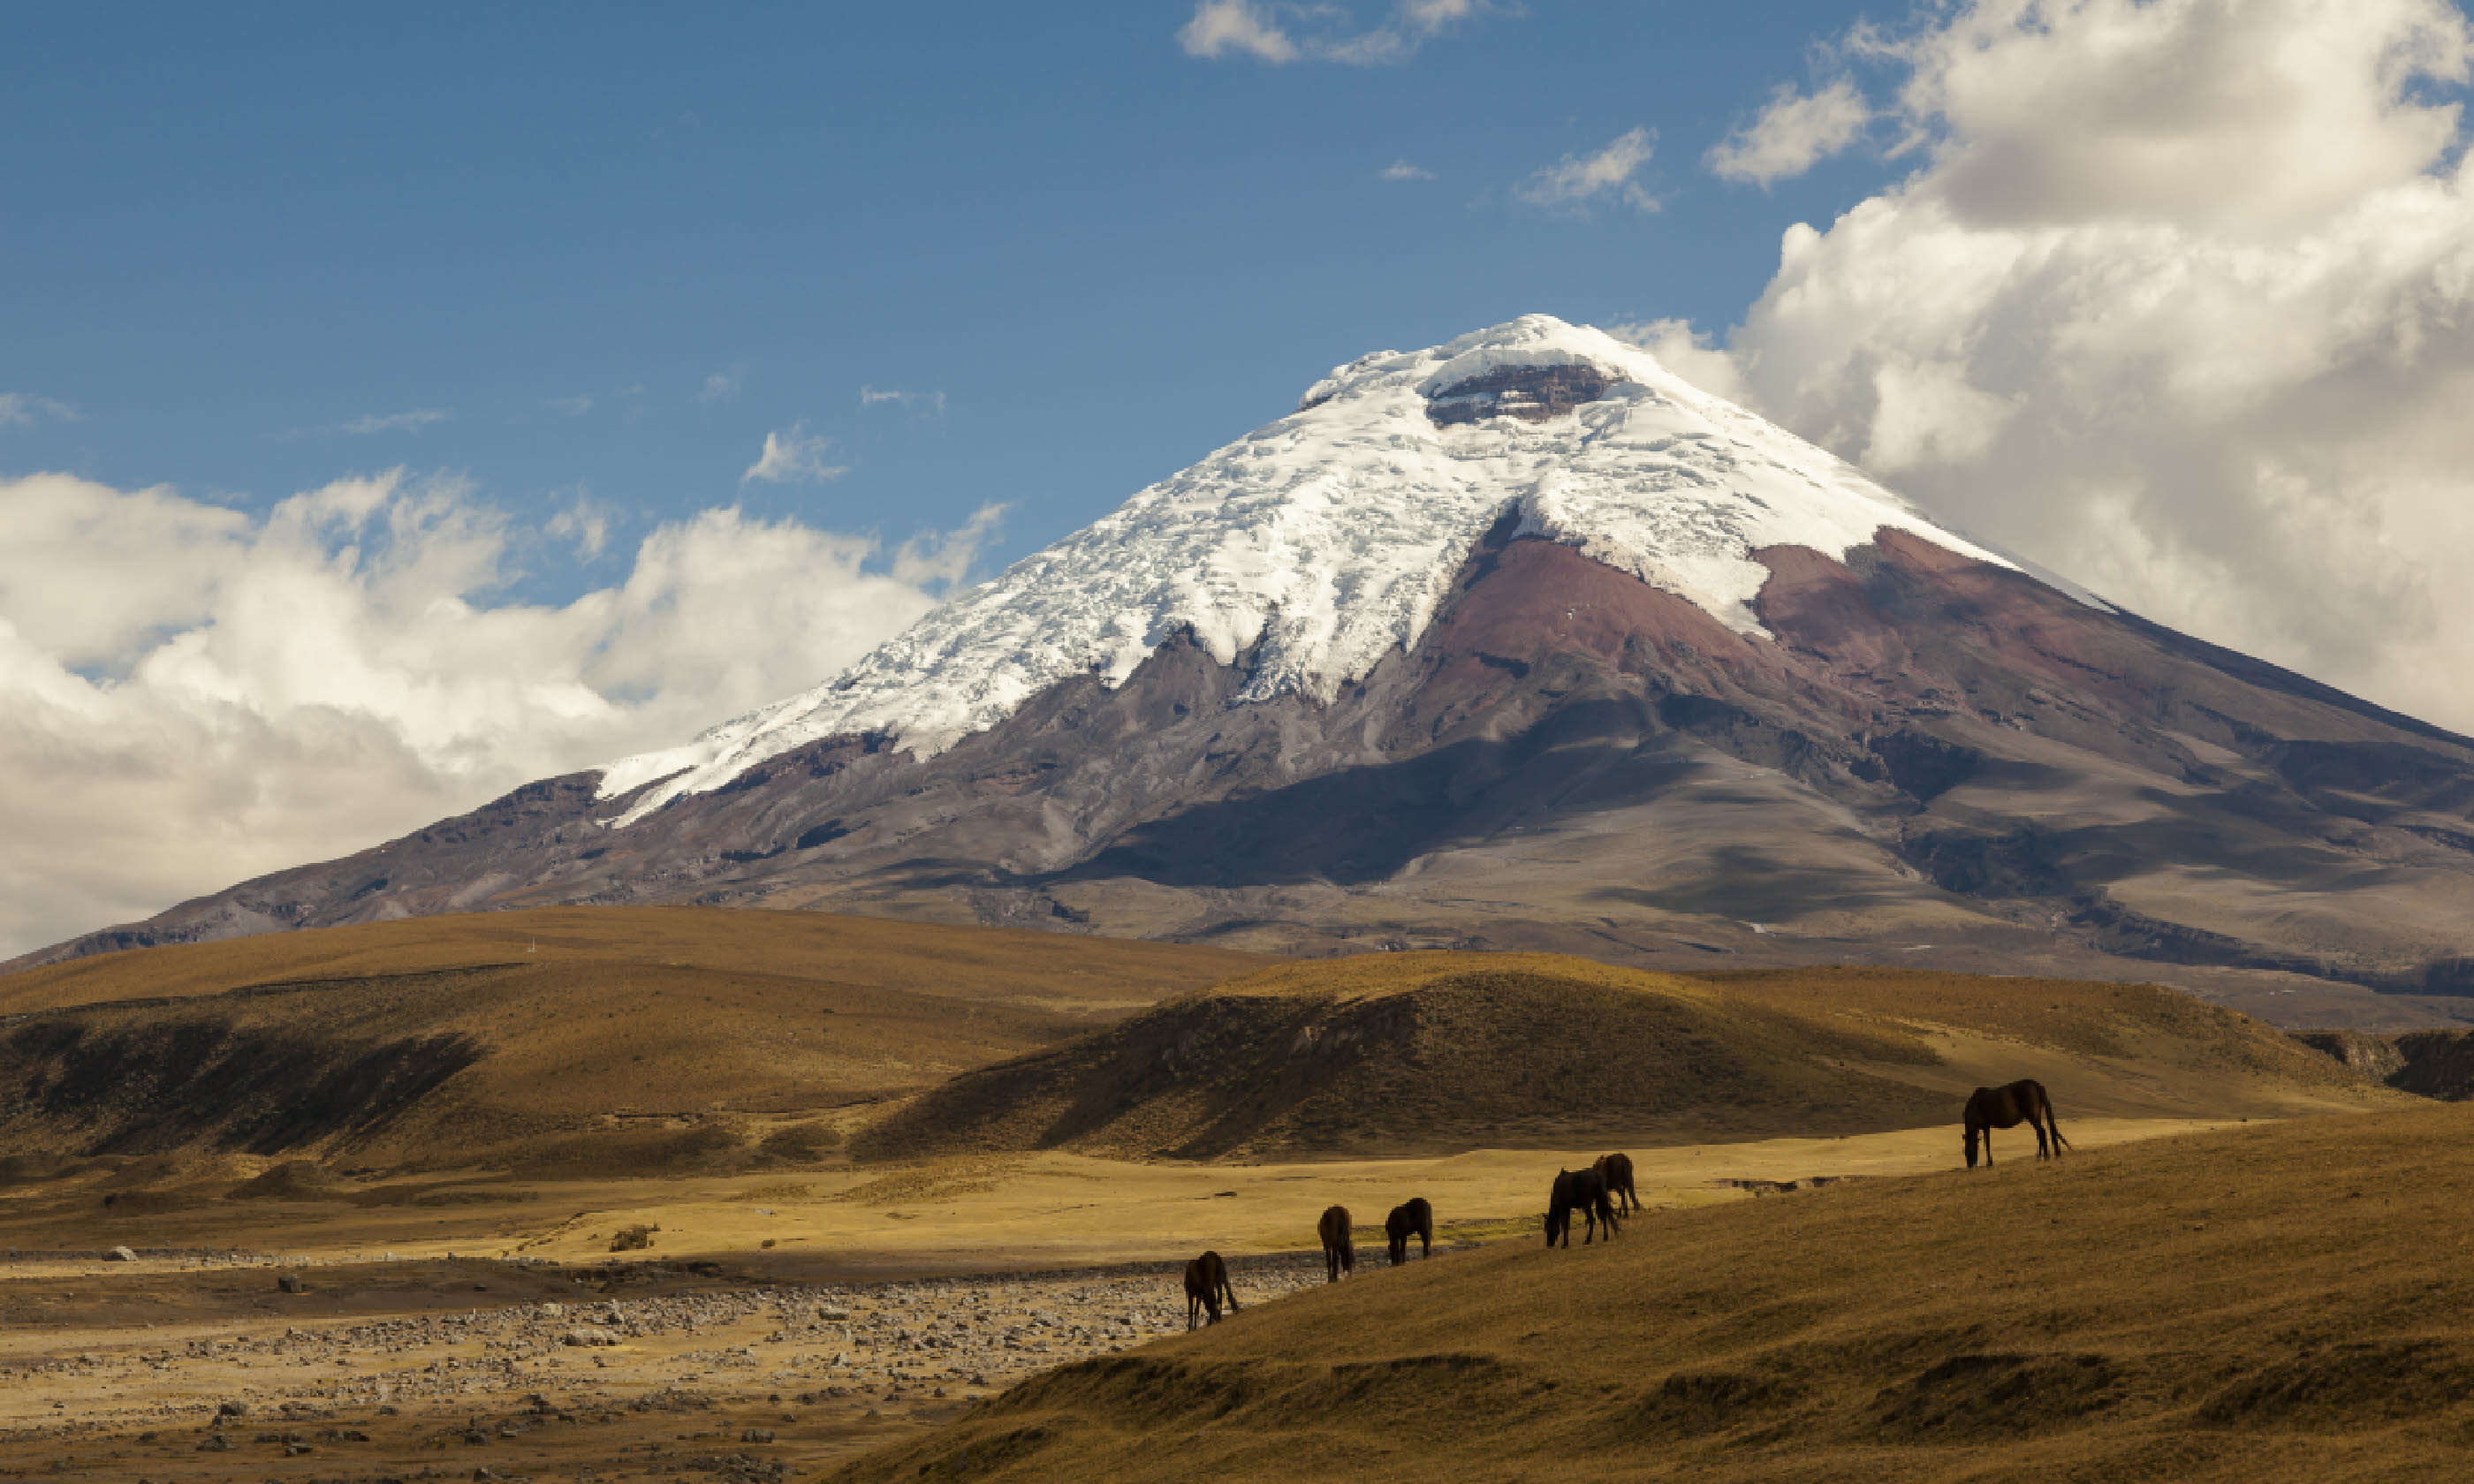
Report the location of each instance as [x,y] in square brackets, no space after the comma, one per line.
[1521,642]
[1430,1053]
[2258,1306]
[633,1039]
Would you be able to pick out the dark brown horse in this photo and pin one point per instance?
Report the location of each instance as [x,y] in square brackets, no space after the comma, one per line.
[1616,1168]
[1583,1191]
[1415,1219]
[1207,1283]
[1339,1254]
[2006,1108]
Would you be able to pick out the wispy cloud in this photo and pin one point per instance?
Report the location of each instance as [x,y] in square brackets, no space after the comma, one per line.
[18,410]
[933,401]
[575,406]
[1403,170]
[397,421]
[1279,32]
[585,523]
[720,387]
[794,456]
[1794,133]
[1576,181]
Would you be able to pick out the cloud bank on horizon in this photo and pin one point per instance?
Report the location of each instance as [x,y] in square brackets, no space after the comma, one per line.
[197,696]
[2179,301]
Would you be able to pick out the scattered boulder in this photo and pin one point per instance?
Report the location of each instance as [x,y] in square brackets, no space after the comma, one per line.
[120,1255]
[633,1238]
[290,1283]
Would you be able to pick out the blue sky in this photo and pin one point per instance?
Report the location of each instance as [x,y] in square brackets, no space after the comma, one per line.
[238,233]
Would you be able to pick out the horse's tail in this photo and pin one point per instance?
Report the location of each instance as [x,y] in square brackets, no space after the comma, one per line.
[2054,1125]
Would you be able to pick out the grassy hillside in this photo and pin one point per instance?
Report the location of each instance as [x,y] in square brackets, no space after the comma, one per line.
[2276,1303]
[581,1038]
[1429,1052]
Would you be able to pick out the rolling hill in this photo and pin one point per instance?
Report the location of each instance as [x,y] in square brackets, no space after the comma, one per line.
[637,1039]
[1416,1053]
[2273,1304]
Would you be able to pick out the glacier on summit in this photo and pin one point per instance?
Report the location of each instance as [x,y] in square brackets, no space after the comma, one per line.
[1326,540]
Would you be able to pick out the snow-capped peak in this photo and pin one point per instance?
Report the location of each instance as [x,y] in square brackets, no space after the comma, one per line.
[1326,540]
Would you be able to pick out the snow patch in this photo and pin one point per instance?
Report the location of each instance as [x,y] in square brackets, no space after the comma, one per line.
[1326,540]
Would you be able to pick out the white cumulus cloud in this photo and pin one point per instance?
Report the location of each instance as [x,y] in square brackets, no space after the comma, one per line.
[2179,301]
[1794,132]
[794,456]
[1403,170]
[191,695]
[1575,181]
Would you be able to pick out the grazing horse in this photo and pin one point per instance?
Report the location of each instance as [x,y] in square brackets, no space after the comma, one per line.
[2006,1108]
[1339,1254]
[1415,1219]
[1617,1170]
[1583,1191]
[1207,1283]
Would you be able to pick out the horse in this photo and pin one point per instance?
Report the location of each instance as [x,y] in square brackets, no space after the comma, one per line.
[1207,1283]
[1583,1191]
[2006,1108]
[1617,1170]
[1339,1255]
[1416,1219]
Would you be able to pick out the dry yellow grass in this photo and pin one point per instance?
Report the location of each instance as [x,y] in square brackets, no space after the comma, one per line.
[573,1040]
[1430,1052]
[2281,1303]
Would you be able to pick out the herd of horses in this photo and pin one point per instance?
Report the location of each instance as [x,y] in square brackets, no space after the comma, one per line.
[1599,1195]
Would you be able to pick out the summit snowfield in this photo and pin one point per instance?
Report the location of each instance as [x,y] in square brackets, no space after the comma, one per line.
[1520,641]
[1320,543]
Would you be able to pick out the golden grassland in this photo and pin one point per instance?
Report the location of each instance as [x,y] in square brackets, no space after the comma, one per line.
[2283,1301]
[794,1098]
[967,1214]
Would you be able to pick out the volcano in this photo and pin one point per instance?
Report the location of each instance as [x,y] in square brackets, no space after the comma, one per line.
[1520,641]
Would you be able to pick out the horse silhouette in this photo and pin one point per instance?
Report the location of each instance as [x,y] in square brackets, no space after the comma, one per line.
[2006,1108]
[1207,1283]
[1583,1191]
[1339,1255]
[1416,1219]
[1617,1170]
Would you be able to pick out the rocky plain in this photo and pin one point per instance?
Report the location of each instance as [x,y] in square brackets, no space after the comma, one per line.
[699,1372]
